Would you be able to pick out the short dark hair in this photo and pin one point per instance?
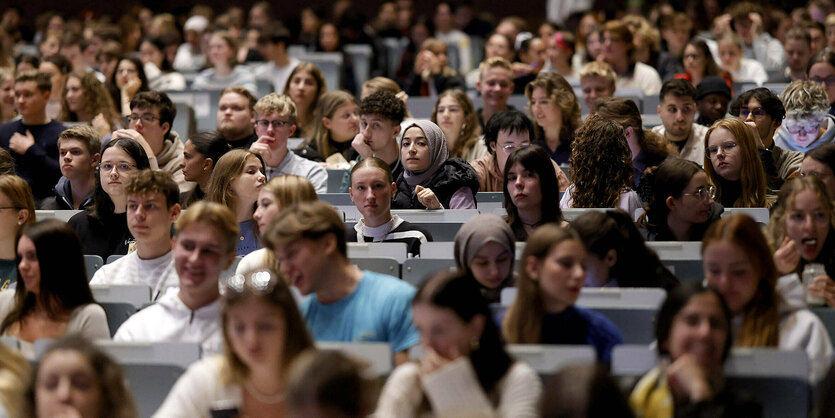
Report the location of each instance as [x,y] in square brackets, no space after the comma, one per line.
[210,144]
[769,101]
[274,34]
[43,80]
[824,154]
[160,101]
[799,33]
[385,104]
[678,88]
[154,181]
[510,120]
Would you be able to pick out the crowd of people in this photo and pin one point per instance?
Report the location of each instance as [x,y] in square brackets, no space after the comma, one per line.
[745,119]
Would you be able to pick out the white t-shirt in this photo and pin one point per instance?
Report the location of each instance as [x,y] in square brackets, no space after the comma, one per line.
[277,75]
[199,391]
[157,273]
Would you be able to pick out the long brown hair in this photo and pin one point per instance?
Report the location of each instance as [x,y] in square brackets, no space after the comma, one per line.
[751,176]
[761,318]
[560,92]
[523,322]
[96,99]
[470,131]
[602,164]
[328,104]
[228,168]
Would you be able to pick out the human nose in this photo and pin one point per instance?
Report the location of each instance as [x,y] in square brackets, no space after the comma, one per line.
[579,271]
[64,390]
[749,117]
[703,328]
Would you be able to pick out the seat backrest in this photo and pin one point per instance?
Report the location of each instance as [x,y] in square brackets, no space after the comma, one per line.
[417,270]
[92,263]
[394,250]
[549,359]
[377,356]
[335,180]
[760,215]
[150,384]
[623,297]
[138,295]
[336,199]
[421,107]
[117,313]
[383,265]
[63,215]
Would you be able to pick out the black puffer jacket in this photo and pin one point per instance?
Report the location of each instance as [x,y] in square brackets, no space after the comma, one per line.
[453,175]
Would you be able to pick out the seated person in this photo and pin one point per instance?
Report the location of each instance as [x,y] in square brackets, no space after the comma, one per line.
[677,110]
[432,75]
[529,185]
[820,162]
[305,85]
[236,117]
[822,71]
[798,45]
[103,227]
[485,249]
[15,195]
[347,304]
[381,114]
[201,153]
[372,189]
[619,52]
[87,100]
[597,80]
[808,123]
[712,98]
[733,165]
[335,124]
[324,382]
[224,70]
[235,183]
[556,111]
[430,179]
[79,154]
[742,69]
[455,115]
[506,131]
[544,310]
[275,122]
[203,247]
[52,298]
[152,208]
[764,108]
[495,84]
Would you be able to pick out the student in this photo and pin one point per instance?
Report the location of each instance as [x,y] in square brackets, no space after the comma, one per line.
[603,170]
[152,208]
[454,114]
[151,120]
[272,43]
[465,369]
[201,153]
[682,205]
[32,139]
[733,165]
[431,74]
[430,179]
[550,279]
[495,84]
[742,69]
[336,123]
[758,44]
[235,183]
[801,231]
[74,377]
[52,297]
[560,49]
[822,70]
[677,110]
[255,308]
[347,304]
[58,68]
[236,117]
[798,46]
[699,64]
[103,227]
[496,45]
[86,100]
[203,247]
[278,193]
[712,98]
[676,30]
[160,73]
[8,110]
[820,163]
[225,71]
[485,249]
[79,154]
[128,80]
[372,189]
[597,80]
[619,52]
[275,122]
[616,254]
[527,184]
[380,116]
[19,211]
[304,87]
[694,333]
[647,148]
[808,123]
[767,312]
[329,384]
[555,109]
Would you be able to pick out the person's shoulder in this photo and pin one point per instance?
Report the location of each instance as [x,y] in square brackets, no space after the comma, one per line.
[408,226]
[387,285]
[520,371]
[599,323]
[7,297]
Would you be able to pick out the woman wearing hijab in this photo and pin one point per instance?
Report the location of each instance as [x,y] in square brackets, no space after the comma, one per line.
[430,179]
[484,249]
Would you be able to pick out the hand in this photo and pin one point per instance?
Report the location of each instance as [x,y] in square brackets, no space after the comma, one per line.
[136,136]
[101,125]
[520,68]
[21,143]
[721,25]
[786,257]
[825,287]
[66,411]
[757,140]
[131,87]
[403,98]
[427,198]
[756,23]
[361,145]
[433,361]
[688,380]
[262,146]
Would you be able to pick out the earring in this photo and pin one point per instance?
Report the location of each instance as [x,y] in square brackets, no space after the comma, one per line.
[474,344]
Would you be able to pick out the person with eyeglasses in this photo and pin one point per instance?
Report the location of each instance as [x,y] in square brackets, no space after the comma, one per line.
[17,209]
[150,124]
[203,247]
[682,205]
[275,122]
[506,131]
[808,123]
[103,228]
[821,70]
[820,163]
[733,165]
[801,231]
[763,108]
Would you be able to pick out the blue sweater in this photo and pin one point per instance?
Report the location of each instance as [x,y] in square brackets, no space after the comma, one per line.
[577,325]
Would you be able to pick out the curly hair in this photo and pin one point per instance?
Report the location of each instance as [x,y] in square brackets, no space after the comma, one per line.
[803,98]
[384,104]
[625,112]
[751,176]
[602,164]
[471,130]
[560,92]
[96,99]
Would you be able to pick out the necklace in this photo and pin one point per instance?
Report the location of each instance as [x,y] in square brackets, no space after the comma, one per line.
[261,397]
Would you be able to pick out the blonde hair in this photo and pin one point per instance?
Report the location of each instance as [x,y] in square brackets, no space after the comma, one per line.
[20,196]
[804,98]
[751,176]
[382,83]
[306,220]
[280,104]
[287,189]
[84,133]
[599,69]
[232,43]
[14,372]
[494,62]
[213,214]
[470,131]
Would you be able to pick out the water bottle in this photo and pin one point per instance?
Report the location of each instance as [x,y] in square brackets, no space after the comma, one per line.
[810,271]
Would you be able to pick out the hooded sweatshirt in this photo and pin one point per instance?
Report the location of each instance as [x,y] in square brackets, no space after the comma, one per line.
[63,197]
[783,139]
[171,320]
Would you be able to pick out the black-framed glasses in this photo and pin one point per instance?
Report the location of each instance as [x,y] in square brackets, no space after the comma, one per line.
[146,118]
[703,194]
[757,111]
[828,80]
[276,124]
[258,282]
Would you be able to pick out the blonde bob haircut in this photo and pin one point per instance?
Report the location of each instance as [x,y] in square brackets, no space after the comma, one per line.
[752,175]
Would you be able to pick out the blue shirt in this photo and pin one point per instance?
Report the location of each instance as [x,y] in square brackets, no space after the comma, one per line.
[378,310]
[247,241]
[577,325]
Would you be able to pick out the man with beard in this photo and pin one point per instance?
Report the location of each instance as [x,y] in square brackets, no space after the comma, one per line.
[236,117]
